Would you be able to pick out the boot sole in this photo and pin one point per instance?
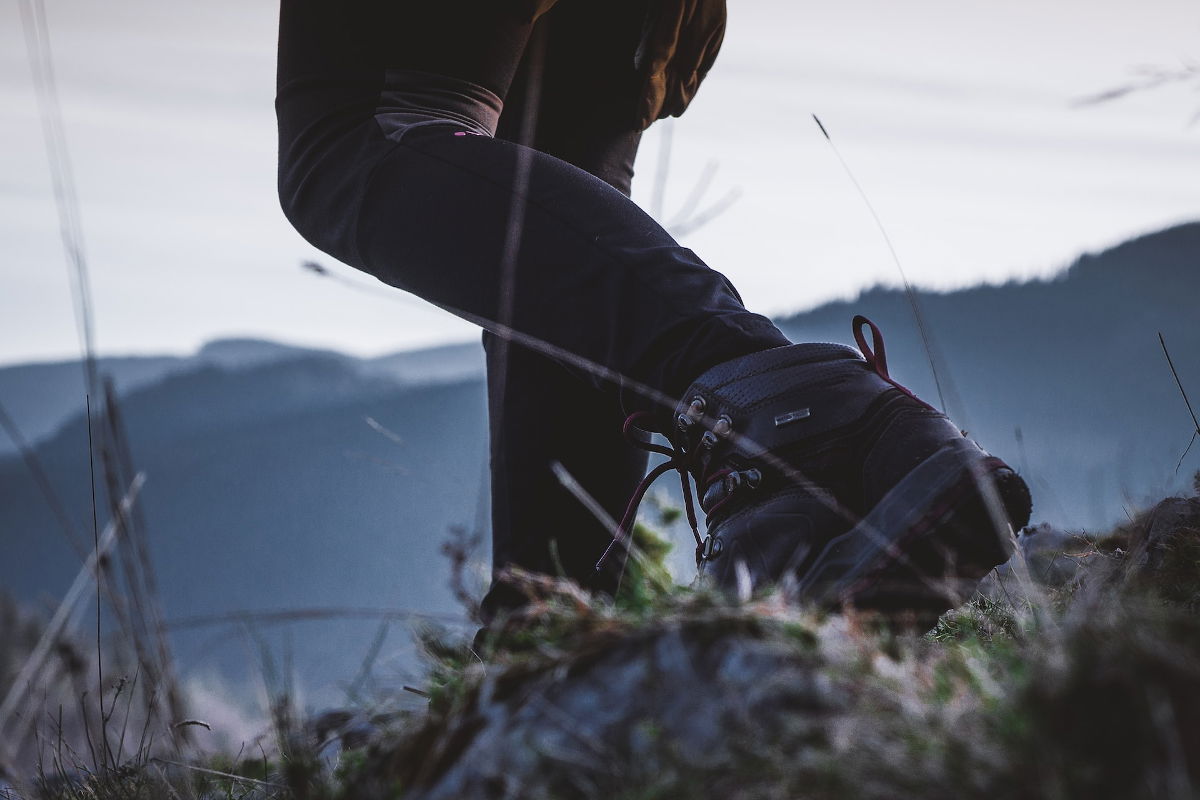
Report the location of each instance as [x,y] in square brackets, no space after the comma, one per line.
[925,546]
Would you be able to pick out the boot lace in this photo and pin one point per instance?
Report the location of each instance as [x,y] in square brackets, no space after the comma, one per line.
[679,460]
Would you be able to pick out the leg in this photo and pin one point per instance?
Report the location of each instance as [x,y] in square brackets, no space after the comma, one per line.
[536,524]
[572,99]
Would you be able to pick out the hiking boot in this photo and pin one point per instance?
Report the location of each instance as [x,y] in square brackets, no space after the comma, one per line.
[818,471]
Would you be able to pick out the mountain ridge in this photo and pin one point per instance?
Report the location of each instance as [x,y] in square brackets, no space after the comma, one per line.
[43,396]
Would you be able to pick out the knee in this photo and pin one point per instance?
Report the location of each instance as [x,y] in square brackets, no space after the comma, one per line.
[288,202]
[294,209]
[316,208]
[292,180]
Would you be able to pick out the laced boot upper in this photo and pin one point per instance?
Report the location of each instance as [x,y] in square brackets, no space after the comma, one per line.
[790,448]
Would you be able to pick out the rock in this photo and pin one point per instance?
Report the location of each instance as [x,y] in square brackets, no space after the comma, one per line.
[1050,558]
[1162,530]
[1046,557]
[670,700]
[761,699]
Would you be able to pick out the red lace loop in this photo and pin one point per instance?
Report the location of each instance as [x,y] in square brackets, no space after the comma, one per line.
[876,355]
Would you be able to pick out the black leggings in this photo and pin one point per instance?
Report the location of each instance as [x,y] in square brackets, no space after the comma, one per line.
[386,163]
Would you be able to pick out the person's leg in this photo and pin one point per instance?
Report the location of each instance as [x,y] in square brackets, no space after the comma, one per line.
[573,98]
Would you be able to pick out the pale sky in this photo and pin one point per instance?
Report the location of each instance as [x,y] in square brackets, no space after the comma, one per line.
[957,118]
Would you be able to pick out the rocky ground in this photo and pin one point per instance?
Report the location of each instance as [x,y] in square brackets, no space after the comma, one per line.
[1075,672]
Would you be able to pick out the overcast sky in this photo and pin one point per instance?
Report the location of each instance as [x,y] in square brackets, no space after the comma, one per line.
[957,118]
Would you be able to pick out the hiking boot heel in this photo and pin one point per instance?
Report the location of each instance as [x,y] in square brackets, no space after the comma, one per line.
[930,539]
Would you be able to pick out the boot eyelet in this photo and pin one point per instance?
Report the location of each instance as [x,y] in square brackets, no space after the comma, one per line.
[712,548]
[695,409]
[683,422]
[708,440]
[724,427]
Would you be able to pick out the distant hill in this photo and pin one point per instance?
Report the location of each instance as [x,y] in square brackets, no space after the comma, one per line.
[42,397]
[268,488]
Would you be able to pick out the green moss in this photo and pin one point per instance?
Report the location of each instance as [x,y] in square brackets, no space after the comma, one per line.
[980,619]
[646,581]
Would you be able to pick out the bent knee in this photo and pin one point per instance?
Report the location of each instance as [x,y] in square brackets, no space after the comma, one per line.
[321,202]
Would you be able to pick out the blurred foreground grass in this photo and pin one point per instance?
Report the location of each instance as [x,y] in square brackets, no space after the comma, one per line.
[1086,688]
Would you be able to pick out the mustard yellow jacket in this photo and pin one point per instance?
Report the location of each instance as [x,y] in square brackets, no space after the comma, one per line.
[679,46]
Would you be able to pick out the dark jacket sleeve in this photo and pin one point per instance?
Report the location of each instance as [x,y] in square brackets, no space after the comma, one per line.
[679,46]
